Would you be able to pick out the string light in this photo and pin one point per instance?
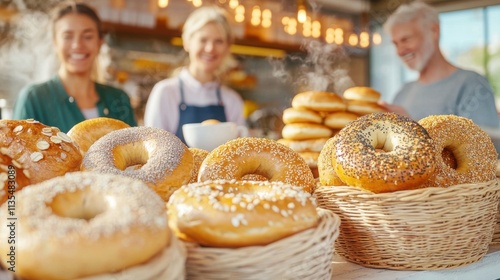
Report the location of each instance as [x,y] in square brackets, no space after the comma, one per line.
[162,3]
[364,39]
[239,13]
[233,4]
[301,12]
[267,18]
[255,20]
[353,39]
[376,38]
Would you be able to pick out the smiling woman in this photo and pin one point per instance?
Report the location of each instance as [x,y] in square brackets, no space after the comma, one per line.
[72,96]
[197,94]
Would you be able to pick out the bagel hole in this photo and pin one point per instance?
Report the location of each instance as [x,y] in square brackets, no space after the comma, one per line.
[449,158]
[383,142]
[133,155]
[81,204]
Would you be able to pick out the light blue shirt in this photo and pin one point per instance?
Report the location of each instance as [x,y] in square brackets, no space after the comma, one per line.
[464,93]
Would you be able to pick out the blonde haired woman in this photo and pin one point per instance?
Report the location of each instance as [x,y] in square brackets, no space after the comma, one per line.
[196,94]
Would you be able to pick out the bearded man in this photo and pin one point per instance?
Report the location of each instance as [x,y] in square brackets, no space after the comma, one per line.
[441,88]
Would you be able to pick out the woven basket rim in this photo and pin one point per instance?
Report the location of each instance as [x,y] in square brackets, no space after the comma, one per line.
[409,195]
[307,254]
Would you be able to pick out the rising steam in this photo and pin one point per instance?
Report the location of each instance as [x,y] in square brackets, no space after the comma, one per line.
[324,68]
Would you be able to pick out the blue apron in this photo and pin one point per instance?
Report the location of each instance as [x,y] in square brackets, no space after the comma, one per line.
[196,114]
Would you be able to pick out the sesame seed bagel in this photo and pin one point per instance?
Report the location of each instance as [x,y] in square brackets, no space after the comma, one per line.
[198,156]
[474,152]
[384,152]
[251,155]
[31,152]
[327,174]
[85,133]
[152,155]
[84,224]
[229,213]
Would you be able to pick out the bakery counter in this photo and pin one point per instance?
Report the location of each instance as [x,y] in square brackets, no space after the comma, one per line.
[488,268]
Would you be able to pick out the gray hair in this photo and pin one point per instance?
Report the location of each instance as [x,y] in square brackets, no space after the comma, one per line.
[424,14]
[204,15]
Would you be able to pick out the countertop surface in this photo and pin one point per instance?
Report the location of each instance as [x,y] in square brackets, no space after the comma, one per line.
[488,268]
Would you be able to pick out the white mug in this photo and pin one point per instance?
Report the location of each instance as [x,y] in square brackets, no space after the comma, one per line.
[210,136]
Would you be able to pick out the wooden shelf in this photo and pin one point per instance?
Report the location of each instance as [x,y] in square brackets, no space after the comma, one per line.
[160,31]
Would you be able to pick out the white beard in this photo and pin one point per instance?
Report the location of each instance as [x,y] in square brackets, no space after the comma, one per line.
[426,51]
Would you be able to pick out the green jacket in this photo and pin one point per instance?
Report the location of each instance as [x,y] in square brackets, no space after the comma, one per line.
[49,104]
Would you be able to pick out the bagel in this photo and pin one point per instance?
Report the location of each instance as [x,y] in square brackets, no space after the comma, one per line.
[304,131]
[307,145]
[338,120]
[81,224]
[152,155]
[472,149]
[198,156]
[294,115]
[32,152]
[384,152]
[85,133]
[364,107]
[367,94]
[239,157]
[229,213]
[326,171]
[319,101]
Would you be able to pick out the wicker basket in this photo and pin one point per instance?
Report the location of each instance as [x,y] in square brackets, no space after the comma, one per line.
[496,234]
[305,255]
[424,229]
[166,265]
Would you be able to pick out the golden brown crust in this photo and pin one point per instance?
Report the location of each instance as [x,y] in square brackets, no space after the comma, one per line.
[304,131]
[338,120]
[261,156]
[384,152]
[228,213]
[32,152]
[364,108]
[307,145]
[165,162]
[254,177]
[362,94]
[319,101]
[326,171]
[294,115]
[80,224]
[311,158]
[85,133]
[198,156]
[472,148]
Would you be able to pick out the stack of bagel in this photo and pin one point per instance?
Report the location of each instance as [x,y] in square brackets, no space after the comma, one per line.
[316,116]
